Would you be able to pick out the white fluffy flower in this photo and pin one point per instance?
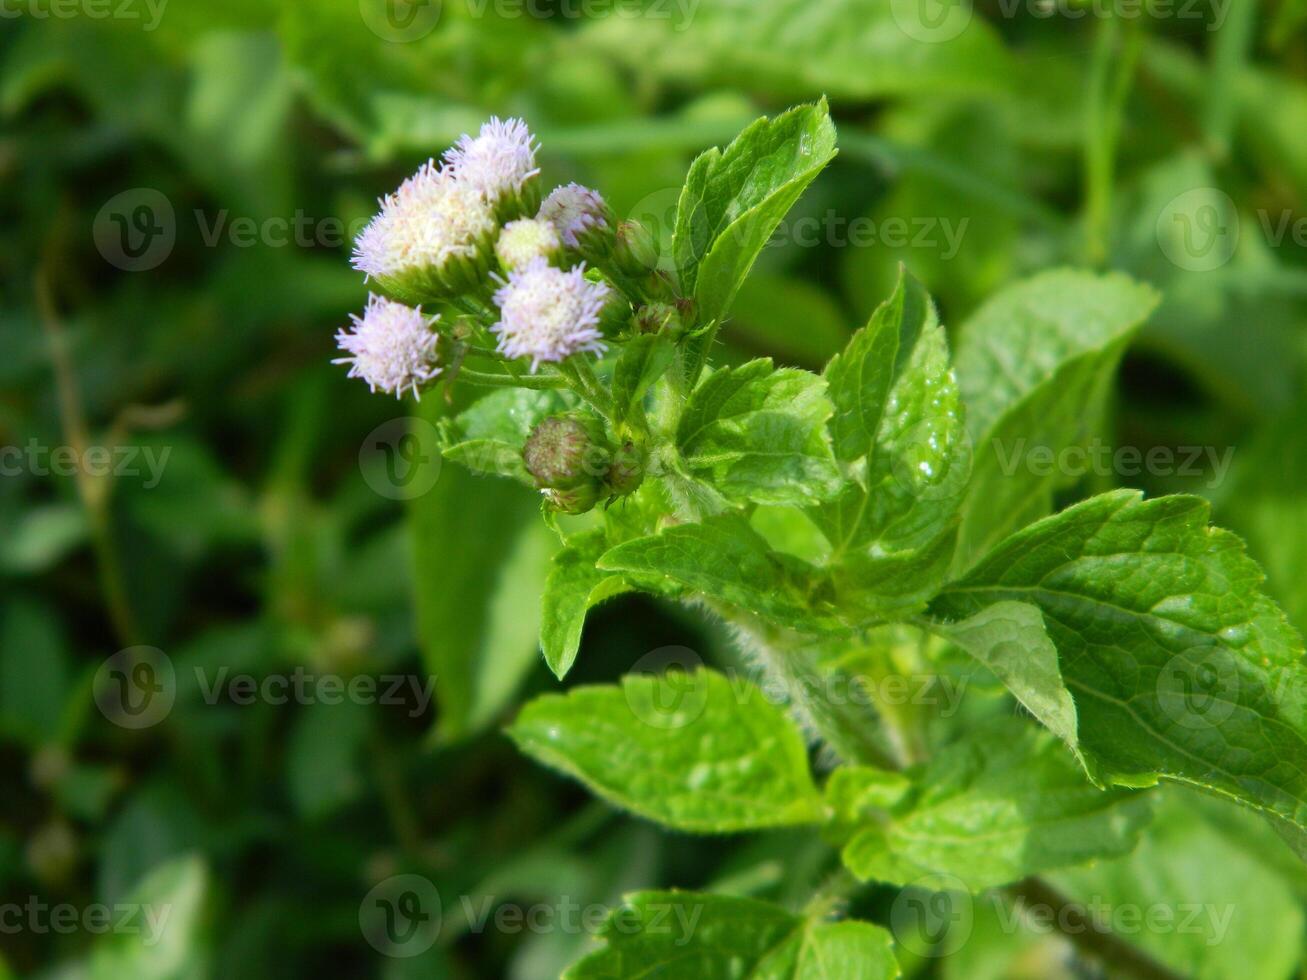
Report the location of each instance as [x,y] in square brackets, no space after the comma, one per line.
[524,240]
[573,210]
[498,161]
[547,314]
[429,220]
[391,346]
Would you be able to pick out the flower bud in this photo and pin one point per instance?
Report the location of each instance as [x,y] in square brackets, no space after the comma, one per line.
[635,251]
[524,240]
[583,220]
[577,500]
[568,451]
[626,472]
[659,318]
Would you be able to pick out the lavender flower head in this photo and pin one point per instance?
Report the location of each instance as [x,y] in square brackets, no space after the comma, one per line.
[391,346]
[431,219]
[498,162]
[547,314]
[574,210]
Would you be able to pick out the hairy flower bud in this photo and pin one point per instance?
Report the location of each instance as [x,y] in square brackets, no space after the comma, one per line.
[391,346]
[524,240]
[500,164]
[583,220]
[659,318]
[626,472]
[568,451]
[549,314]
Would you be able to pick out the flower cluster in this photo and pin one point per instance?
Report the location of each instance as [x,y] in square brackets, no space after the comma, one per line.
[469,232]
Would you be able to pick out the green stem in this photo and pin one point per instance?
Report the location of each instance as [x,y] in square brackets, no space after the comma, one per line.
[539,382]
[93,491]
[1229,53]
[1112,72]
[580,374]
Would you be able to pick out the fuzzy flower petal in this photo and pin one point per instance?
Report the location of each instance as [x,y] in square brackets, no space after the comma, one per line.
[548,314]
[573,210]
[431,218]
[498,161]
[391,346]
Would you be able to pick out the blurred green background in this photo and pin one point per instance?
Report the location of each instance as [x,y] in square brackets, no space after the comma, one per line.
[185,469]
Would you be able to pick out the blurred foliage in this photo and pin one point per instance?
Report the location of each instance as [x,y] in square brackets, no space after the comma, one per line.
[261,546]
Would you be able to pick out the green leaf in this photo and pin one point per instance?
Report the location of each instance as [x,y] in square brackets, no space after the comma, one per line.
[1180,665]
[1218,912]
[34,673]
[1004,803]
[726,559]
[734,199]
[759,434]
[478,546]
[642,362]
[1034,365]
[1009,638]
[718,937]
[574,587]
[169,943]
[896,403]
[324,757]
[488,437]
[695,751]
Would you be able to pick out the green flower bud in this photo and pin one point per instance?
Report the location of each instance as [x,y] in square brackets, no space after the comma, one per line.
[635,251]
[577,500]
[567,452]
[626,472]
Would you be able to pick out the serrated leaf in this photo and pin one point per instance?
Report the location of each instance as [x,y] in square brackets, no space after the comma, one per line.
[734,199]
[1217,912]
[1004,803]
[1180,665]
[573,588]
[1034,365]
[1009,638]
[726,559]
[759,434]
[695,751]
[719,937]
